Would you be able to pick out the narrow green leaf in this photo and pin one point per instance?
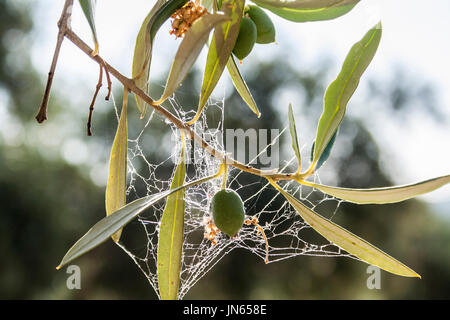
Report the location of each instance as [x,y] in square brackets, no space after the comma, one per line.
[189,49]
[241,86]
[142,55]
[305,11]
[341,90]
[116,187]
[220,50]
[294,139]
[109,225]
[308,4]
[326,152]
[348,241]
[171,233]
[88,7]
[384,195]
[160,12]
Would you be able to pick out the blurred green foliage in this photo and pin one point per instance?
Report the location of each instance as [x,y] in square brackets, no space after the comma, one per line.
[46,203]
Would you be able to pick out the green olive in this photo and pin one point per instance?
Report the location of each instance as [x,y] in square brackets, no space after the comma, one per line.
[246,38]
[228,211]
[264,25]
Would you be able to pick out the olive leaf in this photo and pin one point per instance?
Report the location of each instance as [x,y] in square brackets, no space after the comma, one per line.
[308,10]
[116,187]
[293,132]
[191,46]
[308,4]
[88,7]
[326,152]
[220,49]
[346,240]
[142,55]
[384,195]
[109,225]
[341,90]
[171,233]
[160,12]
[241,86]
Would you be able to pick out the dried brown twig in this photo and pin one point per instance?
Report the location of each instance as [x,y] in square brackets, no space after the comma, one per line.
[63,25]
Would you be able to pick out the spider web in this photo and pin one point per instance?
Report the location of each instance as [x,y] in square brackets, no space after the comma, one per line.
[287,234]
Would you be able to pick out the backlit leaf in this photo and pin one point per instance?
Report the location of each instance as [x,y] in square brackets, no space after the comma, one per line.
[308,4]
[241,86]
[341,90]
[105,228]
[220,49]
[160,12]
[326,152]
[88,7]
[171,233]
[116,187]
[191,46]
[346,240]
[110,224]
[310,10]
[294,139]
[384,195]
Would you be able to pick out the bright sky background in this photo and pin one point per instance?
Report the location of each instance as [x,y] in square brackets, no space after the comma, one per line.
[414,35]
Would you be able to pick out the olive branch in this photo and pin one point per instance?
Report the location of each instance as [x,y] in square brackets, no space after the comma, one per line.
[227,32]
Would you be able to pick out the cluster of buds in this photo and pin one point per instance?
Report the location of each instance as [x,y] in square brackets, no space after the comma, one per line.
[184,17]
[254,221]
[211,230]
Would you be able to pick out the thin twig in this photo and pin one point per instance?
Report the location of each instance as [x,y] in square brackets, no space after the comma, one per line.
[91,107]
[108,80]
[63,24]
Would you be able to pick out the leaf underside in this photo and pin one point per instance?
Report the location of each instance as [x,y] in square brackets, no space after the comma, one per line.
[191,46]
[348,241]
[341,90]
[88,7]
[116,187]
[171,233]
[384,195]
[294,138]
[219,52]
[109,225]
[241,86]
[326,152]
[142,57]
[308,11]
